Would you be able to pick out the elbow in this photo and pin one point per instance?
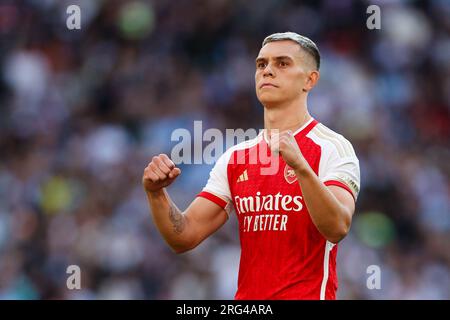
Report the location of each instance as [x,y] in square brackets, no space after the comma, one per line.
[338,234]
[341,228]
[180,248]
[336,237]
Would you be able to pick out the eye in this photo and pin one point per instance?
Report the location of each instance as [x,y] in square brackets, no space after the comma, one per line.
[261,65]
[283,64]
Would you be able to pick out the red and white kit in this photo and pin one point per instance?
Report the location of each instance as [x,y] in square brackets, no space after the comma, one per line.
[283,255]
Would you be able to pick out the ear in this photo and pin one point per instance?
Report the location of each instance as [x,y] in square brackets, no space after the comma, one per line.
[311,80]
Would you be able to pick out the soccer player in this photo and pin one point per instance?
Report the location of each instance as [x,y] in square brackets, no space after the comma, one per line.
[291,221]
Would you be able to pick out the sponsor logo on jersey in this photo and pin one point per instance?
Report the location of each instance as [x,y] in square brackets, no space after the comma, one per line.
[268,202]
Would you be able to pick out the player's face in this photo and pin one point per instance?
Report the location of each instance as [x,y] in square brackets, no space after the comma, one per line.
[281,72]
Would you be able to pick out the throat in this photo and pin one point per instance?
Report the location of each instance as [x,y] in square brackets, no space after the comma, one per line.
[282,121]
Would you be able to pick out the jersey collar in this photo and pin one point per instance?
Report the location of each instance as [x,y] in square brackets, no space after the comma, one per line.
[303,129]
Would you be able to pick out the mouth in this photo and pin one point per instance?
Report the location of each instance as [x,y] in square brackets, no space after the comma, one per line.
[268,85]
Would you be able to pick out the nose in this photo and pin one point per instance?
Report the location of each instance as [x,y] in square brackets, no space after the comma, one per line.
[268,72]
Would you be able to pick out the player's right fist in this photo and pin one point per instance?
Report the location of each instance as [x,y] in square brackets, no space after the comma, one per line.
[159,173]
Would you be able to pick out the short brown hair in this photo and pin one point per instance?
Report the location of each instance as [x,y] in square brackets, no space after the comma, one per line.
[305,43]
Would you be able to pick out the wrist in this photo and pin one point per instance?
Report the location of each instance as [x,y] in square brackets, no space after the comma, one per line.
[155,194]
[302,171]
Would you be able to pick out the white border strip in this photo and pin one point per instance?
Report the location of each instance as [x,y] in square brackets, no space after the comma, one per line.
[326,263]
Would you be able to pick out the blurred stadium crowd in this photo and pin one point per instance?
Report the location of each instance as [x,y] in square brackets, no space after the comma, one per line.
[82,112]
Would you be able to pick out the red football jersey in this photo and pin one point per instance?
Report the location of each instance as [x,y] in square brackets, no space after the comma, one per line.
[283,255]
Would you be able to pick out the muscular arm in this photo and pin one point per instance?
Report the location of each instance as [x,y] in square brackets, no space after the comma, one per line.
[184,231]
[331,208]
[181,230]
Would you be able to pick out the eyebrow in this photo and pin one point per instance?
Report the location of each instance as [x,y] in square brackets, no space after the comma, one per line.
[260,59]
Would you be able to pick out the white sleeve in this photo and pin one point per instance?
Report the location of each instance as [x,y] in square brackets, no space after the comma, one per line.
[217,188]
[342,169]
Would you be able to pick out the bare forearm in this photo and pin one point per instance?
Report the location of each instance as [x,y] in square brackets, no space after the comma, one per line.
[170,221]
[327,213]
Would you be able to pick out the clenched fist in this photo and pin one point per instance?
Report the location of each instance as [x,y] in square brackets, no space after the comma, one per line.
[159,173]
[284,143]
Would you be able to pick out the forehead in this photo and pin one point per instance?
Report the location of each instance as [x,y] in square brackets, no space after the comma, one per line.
[280,48]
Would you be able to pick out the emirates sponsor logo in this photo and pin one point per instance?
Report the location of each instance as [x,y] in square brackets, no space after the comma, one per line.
[289,174]
[268,202]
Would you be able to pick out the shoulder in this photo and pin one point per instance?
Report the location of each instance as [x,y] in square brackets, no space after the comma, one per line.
[239,149]
[331,142]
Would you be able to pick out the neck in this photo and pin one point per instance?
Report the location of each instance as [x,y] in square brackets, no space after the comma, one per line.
[286,116]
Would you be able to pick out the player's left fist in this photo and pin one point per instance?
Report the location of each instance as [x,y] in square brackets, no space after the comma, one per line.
[284,143]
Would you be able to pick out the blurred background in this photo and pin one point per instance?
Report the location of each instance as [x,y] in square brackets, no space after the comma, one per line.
[83,111]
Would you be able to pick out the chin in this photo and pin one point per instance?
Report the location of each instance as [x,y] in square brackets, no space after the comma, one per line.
[268,99]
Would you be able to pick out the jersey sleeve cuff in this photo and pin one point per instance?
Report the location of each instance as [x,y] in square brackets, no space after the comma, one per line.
[340,184]
[212,197]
